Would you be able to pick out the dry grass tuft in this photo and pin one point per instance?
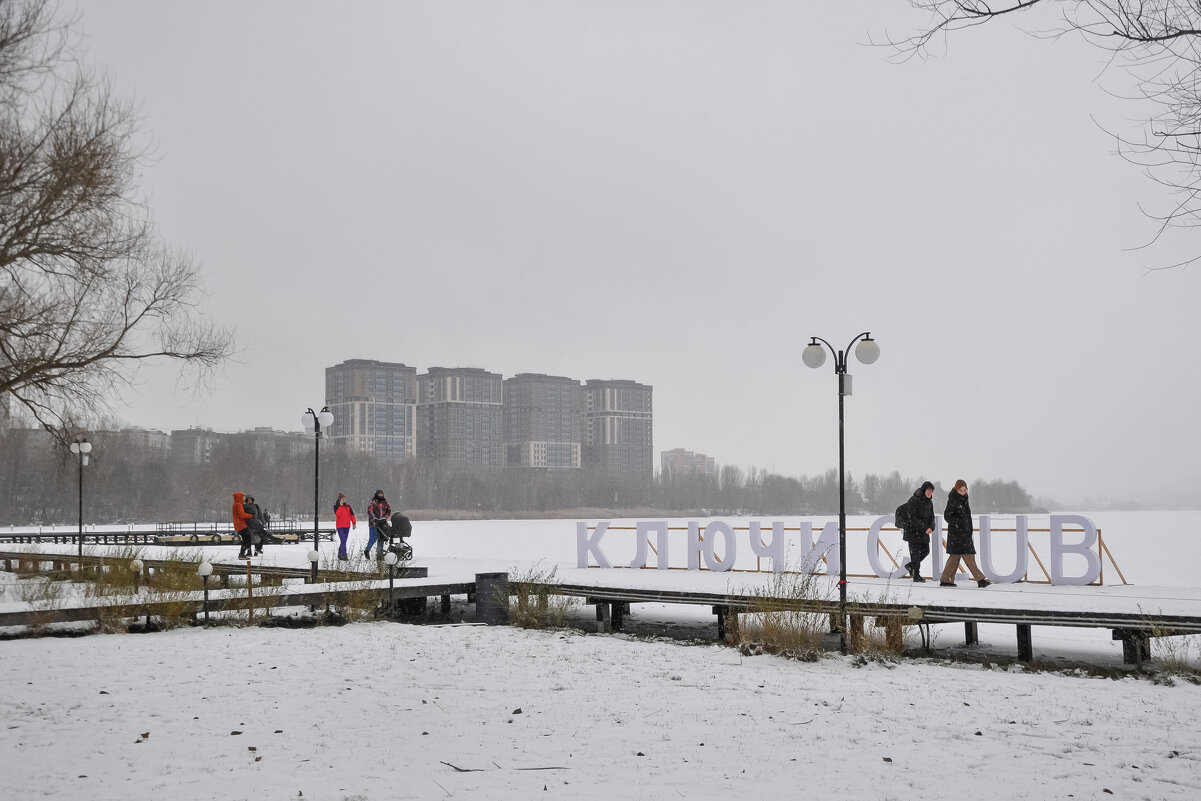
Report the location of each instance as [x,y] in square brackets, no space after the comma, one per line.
[531,604]
[781,619]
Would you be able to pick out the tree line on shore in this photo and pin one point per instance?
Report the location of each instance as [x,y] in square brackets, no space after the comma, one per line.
[127,483]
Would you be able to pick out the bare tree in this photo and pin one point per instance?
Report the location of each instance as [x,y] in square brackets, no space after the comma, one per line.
[87,292]
[1158,41]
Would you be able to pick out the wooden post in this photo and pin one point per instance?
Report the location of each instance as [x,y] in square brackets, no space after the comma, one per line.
[618,615]
[249,593]
[1136,646]
[727,622]
[603,621]
[971,633]
[1025,646]
[893,636]
[856,633]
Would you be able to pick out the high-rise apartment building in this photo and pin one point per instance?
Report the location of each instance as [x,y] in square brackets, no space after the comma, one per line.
[618,429]
[475,418]
[374,406]
[460,417]
[543,421]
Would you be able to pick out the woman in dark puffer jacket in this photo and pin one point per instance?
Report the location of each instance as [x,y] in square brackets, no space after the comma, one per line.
[958,515]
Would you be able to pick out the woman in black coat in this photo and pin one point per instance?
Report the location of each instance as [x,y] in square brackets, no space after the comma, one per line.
[958,515]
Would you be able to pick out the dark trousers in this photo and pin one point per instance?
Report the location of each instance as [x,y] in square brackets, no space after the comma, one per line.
[246,544]
[919,549]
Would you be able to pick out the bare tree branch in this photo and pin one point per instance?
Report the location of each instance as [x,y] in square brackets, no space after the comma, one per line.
[87,292]
[1160,44]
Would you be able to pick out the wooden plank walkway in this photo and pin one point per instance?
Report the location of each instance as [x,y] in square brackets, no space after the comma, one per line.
[1134,628]
[197,538]
[333,588]
[192,604]
[612,593]
[223,570]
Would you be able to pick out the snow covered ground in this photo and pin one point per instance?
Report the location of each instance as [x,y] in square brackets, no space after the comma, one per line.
[388,711]
[385,711]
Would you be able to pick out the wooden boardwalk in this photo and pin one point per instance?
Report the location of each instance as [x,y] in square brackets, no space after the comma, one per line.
[1135,616]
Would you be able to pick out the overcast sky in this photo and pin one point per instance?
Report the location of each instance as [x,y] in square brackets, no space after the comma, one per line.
[680,194]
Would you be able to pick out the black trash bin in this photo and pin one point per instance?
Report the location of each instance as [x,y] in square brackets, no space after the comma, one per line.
[492,598]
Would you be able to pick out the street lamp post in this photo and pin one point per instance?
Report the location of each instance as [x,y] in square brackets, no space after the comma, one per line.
[814,355]
[81,448]
[314,422]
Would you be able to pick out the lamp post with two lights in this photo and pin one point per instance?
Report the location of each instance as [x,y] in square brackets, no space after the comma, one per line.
[814,355]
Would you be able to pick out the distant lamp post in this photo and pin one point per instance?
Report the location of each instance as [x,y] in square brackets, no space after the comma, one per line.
[313,423]
[204,571]
[314,556]
[814,355]
[390,558]
[81,448]
[135,567]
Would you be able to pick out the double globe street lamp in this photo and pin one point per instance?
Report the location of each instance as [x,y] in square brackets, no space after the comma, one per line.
[81,448]
[814,355]
[313,423]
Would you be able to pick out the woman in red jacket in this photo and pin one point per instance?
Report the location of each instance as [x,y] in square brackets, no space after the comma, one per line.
[344,520]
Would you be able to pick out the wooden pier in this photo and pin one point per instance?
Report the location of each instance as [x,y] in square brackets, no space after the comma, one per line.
[1134,616]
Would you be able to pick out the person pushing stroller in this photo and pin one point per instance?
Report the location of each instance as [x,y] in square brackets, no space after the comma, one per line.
[378,512]
[388,528]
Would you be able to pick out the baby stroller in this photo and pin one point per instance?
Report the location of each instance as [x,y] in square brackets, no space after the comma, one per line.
[394,531]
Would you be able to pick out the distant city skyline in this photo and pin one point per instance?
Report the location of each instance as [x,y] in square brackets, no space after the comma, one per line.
[488,185]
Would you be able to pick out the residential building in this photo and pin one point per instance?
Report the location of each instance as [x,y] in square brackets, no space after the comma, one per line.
[543,421]
[374,406]
[148,438]
[679,463]
[193,445]
[273,445]
[618,431]
[460,417]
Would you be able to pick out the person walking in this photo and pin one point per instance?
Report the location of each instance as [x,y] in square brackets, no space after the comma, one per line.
[919,525]
[241,527]
[257,523]
[958,515]
[378,509]
[344,521]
